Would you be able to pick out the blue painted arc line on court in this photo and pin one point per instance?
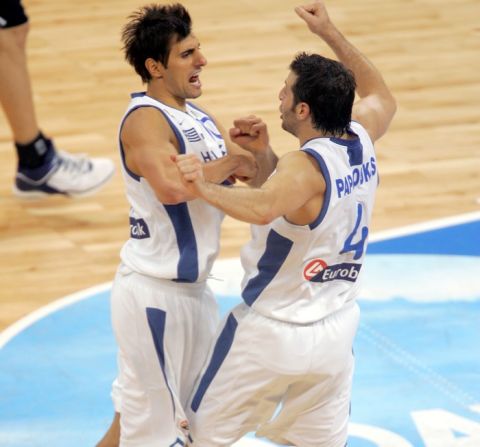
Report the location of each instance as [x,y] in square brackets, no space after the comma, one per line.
[417,380]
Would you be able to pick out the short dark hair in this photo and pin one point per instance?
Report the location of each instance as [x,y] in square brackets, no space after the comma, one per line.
[151,32]
[328,88]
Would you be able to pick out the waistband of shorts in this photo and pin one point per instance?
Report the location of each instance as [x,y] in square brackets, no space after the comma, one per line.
[345,307]
[170,284]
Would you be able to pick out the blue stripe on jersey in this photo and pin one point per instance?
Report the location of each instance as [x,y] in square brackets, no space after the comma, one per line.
[156,321]
[354,149]
[326,199]
[276,251]
[187,269]
[122,151]
[222,347]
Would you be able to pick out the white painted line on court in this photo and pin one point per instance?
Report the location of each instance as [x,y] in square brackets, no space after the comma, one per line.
[7,334]
[11,331]
[425,226]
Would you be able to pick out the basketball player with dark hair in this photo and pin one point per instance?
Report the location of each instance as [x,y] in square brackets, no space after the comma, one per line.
[282,364]
[163,313]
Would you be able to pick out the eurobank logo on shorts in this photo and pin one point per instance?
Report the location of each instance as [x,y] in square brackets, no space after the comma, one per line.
[317,270]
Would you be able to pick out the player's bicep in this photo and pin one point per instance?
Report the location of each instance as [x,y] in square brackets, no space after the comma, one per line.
[146,139]
[295,181]
[374,113]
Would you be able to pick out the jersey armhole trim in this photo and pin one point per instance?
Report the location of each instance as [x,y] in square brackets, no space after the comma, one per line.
[328,191]
[178,135]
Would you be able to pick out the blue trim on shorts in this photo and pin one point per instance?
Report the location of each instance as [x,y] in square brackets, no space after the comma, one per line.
[277,249]
[187,268]
[178,441]
[156,321]
[222,347]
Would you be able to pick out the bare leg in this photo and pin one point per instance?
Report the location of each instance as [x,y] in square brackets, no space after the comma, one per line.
[112,436]
[41,170]
[15,87]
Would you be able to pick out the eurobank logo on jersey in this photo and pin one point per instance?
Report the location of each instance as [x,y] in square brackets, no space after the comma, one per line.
[317,270]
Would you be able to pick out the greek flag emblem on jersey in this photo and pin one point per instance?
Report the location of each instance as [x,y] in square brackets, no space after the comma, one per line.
[192,135]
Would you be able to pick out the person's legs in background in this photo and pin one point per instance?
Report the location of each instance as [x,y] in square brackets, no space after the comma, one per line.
[42,170]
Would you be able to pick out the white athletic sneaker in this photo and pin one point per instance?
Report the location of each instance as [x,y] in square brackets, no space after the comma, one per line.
[64,173]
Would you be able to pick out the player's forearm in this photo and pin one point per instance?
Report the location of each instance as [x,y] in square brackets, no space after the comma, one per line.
[368,78]
[221,169]
[172,193]
[267,162]
[250,205]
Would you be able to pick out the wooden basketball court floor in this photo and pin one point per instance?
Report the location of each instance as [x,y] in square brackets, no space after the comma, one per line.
[429,161]
[417,367]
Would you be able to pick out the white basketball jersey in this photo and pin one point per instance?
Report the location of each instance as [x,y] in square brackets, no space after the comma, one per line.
[301,274]
[177,242]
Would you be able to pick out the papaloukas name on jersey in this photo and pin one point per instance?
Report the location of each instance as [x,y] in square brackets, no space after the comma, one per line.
[317,270]
[359,176]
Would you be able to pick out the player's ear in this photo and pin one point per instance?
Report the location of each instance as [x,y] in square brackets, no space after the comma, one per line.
[302,110]
[155,68]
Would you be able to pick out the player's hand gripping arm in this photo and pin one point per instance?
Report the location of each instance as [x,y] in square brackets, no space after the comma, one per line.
[251,134]
[377,106]
[237,164]
[285,193]
[249,158]
[249,146]
[149,144]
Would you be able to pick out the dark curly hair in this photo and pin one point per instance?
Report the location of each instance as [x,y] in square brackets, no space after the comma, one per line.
[151,32]
[328,88]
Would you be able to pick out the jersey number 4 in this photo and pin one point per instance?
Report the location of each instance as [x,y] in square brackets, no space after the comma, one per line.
[359,232]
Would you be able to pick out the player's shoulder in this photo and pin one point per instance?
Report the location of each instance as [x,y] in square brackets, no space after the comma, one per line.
[295,160]
[145,123]
[145,116]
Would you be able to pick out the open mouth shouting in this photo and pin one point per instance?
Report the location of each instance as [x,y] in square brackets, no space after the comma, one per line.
[194,80]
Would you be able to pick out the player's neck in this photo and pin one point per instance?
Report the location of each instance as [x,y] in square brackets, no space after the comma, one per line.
[167,98]
[310,133]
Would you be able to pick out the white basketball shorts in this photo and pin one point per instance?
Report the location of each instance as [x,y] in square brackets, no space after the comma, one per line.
[286,382]
[164,330]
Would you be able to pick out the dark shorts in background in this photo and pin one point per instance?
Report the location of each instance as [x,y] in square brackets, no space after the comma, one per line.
[12,13]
